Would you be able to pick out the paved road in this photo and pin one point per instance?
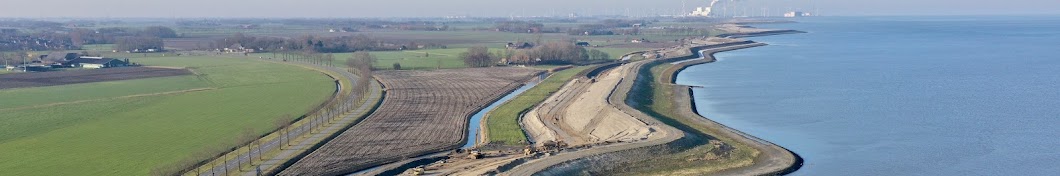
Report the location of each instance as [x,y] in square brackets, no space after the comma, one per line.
[288,152]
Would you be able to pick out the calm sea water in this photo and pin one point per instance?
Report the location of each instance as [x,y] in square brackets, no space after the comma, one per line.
[898,95]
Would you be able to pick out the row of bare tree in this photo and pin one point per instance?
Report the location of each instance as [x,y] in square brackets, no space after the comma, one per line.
[361,64]
[286,128]
[548,53]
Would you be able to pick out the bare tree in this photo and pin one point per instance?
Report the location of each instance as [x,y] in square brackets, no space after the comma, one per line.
[477,57]
[283,123]
[598,55]
[249,136]
[330,59]
[366,60]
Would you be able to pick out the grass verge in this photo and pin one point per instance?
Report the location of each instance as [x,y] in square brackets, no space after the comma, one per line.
[656,98]
[503,122]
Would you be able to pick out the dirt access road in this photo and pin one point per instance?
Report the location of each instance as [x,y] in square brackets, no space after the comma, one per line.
[579,114]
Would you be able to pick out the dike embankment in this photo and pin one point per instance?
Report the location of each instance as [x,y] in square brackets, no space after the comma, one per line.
[773,159]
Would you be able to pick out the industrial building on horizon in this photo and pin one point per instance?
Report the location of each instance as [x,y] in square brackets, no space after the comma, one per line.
[704,11]
[742,8]
[797,14]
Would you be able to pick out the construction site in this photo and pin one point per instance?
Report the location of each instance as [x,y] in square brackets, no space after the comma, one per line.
[423,112]
[593,126]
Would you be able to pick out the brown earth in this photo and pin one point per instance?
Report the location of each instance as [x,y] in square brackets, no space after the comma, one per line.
[9,81]
[580,114]
[423,112]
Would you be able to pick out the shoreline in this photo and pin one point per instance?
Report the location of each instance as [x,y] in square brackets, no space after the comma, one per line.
[771,160]
[760,34]
[782,160]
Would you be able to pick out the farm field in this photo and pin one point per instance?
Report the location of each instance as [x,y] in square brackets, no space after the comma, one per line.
[423,112]
[56,78]
[469,38]
[131,127]
[503,123]
[98,90]
[427,59]
[430,59]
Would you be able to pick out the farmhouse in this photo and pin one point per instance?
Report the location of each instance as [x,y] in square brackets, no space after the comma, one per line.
[525,45]
[59,56]
[96,62]
[238,48]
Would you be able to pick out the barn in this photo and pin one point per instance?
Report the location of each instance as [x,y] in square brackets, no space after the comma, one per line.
[97,62]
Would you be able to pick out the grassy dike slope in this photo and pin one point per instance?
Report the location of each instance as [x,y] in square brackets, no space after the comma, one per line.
[736,154]
[132,135]
[502,124]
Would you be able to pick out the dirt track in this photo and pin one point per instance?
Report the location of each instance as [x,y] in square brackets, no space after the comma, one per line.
[423,112]
[580,114]
[772,160]
[617,94]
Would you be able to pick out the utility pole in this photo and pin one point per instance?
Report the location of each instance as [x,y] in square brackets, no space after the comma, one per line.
[25,68]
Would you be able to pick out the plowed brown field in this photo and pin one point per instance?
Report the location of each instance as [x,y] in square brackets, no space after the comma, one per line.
[423,112]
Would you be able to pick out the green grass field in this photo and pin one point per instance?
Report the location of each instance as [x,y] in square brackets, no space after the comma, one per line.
[100,47]
[427,59]
[83,129]
[419,59]
[617,53]
[503,123]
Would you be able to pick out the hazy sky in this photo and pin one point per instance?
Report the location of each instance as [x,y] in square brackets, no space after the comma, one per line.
[437,8]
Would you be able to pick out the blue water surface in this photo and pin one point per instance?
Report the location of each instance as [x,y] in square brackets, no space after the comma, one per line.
[959,95]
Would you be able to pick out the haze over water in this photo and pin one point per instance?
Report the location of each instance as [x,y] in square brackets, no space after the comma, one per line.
[974,95]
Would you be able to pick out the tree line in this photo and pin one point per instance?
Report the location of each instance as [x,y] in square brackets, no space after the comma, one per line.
[73,39]
[608,27]
[314,44]
[111,35]
[554,52]
[36,41]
